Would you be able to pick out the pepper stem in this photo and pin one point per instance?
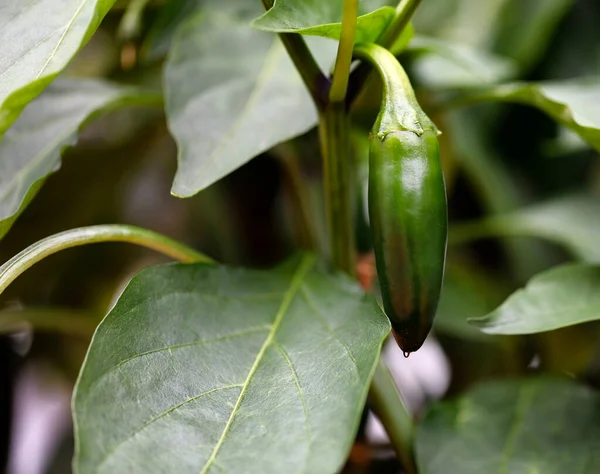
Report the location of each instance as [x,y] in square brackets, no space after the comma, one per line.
[91,235]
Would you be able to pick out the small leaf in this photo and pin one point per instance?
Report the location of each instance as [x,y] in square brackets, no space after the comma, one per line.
[245,97]
[31,148]
[542,425]
[574,104]
[198,368]
[319,18]
[39,38]
[560,297]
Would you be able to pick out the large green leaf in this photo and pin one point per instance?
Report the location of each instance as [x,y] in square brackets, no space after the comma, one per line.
[542,425]
[31,148]
[574,104]
[245,97]
[319,18]
[568,221]
[211,369]
[560,297]
[39,38]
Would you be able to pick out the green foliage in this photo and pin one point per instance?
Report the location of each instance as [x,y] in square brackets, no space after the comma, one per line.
[210,368]
[235,363]
[37,54]
[250,98]
[574,104]
[560,297]
[31,149]
[318,18]
[538,425]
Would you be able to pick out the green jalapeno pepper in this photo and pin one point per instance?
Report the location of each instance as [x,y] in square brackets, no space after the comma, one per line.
[407,204]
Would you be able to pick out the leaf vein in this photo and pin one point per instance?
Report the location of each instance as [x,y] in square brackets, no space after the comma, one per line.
[262,80]
[179,346]
[321,317]
[285,355]
[523,403]
[62,38]
[304,266]
[162,415]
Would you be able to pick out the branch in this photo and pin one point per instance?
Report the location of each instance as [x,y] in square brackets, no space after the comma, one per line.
[314,79]
[341,73]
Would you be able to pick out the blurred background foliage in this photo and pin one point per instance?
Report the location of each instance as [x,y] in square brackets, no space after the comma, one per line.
[498,158]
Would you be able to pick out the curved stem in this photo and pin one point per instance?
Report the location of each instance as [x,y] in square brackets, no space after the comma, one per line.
[64,321]
[465,232]
[341,72]
[400,109]
[391,411]
[91,235]
[404,13]
[312,76]
[396,85]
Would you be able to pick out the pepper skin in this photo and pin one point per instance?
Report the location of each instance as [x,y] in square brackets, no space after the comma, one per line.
[407,204]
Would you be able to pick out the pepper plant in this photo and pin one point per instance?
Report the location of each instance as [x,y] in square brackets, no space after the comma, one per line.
[266,356]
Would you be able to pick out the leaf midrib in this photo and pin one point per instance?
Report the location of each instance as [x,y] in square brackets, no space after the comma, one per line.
[522,405]
[62,38]
[272,59]
[303,267]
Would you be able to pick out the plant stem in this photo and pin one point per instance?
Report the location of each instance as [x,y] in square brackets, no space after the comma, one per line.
[64,321]
[404,12]
[338,186]
[131,22]
[91,235]
[314,79]
[341,72]
[298,186]
[466,232]
[389,408]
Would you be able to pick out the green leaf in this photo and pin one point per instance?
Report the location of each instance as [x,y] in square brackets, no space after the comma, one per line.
[567,221]
[31,148]
[445,65]
[39,38]
[574,104]
[319,18]
[542,425]
[203,369]
[245,97]
[560,297]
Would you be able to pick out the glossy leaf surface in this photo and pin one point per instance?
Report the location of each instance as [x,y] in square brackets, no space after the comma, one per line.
[209,369]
